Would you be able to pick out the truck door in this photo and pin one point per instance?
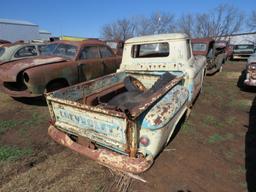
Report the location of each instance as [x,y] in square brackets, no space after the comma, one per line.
[90,64]
[109,60]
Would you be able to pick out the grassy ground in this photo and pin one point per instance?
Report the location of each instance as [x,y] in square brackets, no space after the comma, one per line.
[209,153]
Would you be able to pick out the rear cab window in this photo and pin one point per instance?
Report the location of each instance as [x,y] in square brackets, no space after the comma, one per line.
[150,50]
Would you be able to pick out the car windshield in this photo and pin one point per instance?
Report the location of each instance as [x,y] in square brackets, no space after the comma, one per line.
[244,47]
[47,49]
[65,50]
[1,51]
[199,46]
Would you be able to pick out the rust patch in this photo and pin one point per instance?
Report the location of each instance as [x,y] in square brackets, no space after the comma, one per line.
[103,156]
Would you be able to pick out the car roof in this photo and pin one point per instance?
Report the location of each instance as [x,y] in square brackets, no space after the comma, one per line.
[21,44]
[202,40]
[81,43]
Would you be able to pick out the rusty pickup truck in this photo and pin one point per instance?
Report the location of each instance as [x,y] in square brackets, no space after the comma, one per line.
[124,120]
[63,63]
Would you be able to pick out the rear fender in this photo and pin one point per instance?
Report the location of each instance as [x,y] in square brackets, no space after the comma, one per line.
[165,109]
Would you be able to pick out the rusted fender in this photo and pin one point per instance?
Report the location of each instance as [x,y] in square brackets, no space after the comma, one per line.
[103,156]
[8,72]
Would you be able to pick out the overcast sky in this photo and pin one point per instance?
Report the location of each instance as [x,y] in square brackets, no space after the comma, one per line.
[85,18]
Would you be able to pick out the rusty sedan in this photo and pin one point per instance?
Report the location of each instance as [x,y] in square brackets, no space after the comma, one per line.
[64,63]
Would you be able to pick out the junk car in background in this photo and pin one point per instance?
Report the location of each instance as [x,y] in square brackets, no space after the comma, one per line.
[215,55]
[63,63]
[124,120]
[116,46]
[243,51]
[18,51]
[228,49]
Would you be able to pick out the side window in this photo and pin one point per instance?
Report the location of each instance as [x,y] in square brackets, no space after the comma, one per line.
[90,53]
[188,49]
[27,51]
[105,52]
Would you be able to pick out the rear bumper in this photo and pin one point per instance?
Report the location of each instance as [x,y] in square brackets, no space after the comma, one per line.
[102,156]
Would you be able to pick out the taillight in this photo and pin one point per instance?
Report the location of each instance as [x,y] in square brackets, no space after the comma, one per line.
[144,141]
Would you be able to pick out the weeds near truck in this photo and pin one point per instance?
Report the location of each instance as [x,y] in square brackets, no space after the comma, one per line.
[212,121]
[216,138]
[187,128]
[229,154]
[13,153]
[230,120]
[242,104]
[120,183]
[6,124]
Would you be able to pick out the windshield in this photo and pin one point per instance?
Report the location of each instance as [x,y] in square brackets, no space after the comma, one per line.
[1,51]
[199,46]
[65,50]
[244,47]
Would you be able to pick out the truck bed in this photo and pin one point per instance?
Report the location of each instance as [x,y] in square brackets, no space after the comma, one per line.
[106,126]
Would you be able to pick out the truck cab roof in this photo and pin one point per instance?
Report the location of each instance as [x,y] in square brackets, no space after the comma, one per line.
[158,37]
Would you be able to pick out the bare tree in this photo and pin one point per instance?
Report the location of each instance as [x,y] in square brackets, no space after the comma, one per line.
[224,20]
[142,25]
[185,24]
[252,20]
[120,30]
[161,23]
[155,24]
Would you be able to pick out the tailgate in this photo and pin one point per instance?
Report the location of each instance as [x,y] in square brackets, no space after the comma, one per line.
[105,129]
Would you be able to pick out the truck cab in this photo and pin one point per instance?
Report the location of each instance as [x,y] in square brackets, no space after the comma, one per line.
[167,52]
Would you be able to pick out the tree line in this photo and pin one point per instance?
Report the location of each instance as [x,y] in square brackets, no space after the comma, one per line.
[223,20]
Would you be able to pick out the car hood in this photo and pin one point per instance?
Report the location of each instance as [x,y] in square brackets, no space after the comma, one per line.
[9,70]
